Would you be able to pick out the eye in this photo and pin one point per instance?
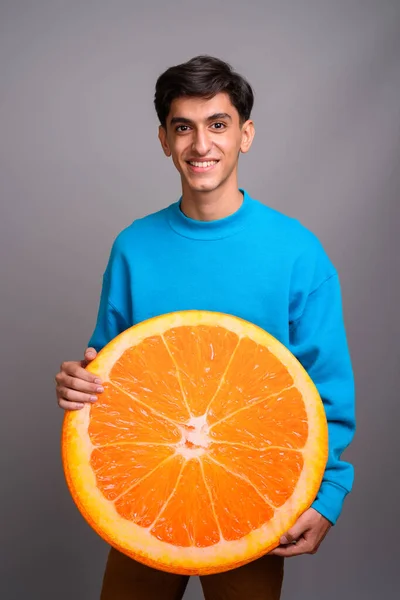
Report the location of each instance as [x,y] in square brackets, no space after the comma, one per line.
[219,125]
[182,128]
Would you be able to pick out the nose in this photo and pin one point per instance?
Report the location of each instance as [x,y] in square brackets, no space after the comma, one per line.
[201,143]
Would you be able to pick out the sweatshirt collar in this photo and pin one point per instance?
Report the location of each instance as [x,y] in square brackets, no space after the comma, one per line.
[210,230]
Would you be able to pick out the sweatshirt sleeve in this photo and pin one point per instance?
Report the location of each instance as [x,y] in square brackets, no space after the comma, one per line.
[318,340]
[110,322]
[114,314]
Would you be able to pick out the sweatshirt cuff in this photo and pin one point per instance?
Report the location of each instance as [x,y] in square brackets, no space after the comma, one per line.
[329,501]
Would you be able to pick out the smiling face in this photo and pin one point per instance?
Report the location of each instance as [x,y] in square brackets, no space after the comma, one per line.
[204,138]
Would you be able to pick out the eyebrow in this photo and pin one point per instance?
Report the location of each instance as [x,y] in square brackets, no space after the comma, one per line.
[210,118]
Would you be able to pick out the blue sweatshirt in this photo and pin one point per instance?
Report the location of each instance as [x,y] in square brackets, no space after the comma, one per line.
[257,264]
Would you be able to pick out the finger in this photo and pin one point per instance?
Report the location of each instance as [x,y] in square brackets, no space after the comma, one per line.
[75,369]
[299,528]
[80,385]
[70,405]
[301,547]
[69,395]
[90,354]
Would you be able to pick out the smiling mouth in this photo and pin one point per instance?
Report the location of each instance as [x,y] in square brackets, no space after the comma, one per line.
[202,165]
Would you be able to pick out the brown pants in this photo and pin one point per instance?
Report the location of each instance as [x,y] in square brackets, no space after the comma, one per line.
[126,579]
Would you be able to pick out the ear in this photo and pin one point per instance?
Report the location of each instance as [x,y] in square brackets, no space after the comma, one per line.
[248,133]
[162,136]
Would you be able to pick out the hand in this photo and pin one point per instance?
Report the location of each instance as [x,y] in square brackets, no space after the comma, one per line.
[75,385]
[308,532]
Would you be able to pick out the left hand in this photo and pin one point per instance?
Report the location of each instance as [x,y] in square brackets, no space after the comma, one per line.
[308,532]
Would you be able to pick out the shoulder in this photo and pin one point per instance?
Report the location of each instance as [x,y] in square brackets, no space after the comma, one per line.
[299,244]
[139,231]
[288,230]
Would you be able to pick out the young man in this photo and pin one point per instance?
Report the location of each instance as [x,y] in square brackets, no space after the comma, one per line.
[218,249]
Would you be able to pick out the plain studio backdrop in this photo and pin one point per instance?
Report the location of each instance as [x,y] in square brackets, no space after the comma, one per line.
[80,159]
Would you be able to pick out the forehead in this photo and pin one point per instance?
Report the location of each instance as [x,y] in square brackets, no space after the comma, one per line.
[198,109]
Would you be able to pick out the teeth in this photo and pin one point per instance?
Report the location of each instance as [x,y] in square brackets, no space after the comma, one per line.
[203,164]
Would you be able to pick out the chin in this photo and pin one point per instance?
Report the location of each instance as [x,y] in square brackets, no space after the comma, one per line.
[203,186]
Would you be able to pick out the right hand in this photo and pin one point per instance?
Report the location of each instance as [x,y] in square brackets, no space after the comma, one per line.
[76,386]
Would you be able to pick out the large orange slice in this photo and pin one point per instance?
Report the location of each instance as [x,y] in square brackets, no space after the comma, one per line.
[209,441]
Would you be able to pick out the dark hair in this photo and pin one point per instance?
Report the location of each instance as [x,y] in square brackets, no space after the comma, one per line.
[203,76]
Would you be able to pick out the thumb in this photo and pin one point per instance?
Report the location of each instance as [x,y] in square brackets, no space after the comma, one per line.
[90,354]
[295,532]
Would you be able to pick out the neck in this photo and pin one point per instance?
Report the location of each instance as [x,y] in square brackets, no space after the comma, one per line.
[213,205]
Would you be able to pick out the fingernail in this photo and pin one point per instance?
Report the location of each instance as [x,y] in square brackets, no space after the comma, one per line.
[283,540]
[98,381]
[99,390]
[93,398]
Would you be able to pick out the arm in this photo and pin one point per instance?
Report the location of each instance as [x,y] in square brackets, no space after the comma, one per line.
[75,385]
[318,340]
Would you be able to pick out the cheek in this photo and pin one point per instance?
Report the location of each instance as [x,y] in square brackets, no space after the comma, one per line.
[231,146]
[177,159]
[179,152]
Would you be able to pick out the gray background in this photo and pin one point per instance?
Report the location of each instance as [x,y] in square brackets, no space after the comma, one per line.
[80,159]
